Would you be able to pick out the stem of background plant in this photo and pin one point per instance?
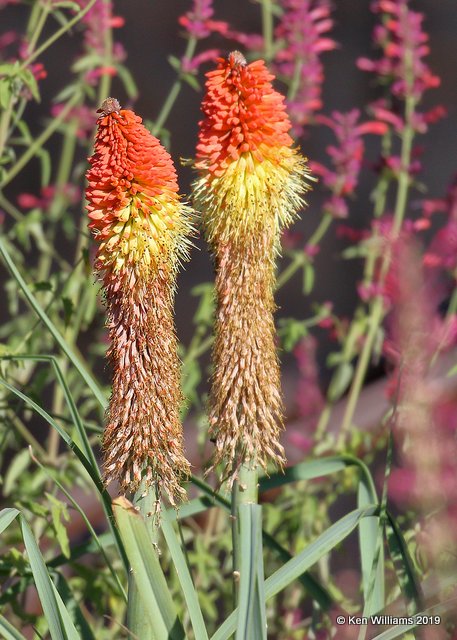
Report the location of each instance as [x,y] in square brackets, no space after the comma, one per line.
[105,81]
[267,29]
[377,306]
[36,22]
[300,258]
[4,125]
[32,301]
[137,622]
[58,34]
[245,491]
[39,142]
[295,82]
[174,91]
[44,8]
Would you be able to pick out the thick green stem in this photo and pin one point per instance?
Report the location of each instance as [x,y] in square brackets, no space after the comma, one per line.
[244,491]
[248,542]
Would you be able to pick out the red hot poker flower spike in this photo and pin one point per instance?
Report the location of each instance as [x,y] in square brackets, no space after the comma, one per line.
[140,226]
[251,184]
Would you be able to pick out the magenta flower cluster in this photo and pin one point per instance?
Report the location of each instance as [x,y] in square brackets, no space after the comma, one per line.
[302,30]
[404,46]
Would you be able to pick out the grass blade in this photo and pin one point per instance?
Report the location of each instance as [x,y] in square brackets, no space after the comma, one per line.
[69,398]
[106,498]
[8,632]
[371,555]
[33,302]
[158,608]
[306,559]
[317,469]
[404,566]
[6,517]
[316,550]
[251,611]
[304,471]
[185,579]
[60,624]
[307,580]
[88,525]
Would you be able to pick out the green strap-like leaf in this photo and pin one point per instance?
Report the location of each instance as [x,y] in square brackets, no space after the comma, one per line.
[318,469]
[371,555]
[6,517]
[8,632]
[185,579]
[301,563]
[32,301]
[157,603]
[81,457]
[404,566]
[308,581]
[60,624]
[251,622]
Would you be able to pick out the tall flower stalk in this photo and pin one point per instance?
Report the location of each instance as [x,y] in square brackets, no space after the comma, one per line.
[251,185]
[140,226]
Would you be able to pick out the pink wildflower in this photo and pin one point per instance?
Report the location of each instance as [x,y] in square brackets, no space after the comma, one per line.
[442,251]
[193,64]
[427,478]
[346,157]
[84,116]
[198,22]
[404,46]
[302,28]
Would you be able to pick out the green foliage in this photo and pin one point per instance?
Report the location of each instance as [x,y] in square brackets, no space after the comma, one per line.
[224,569]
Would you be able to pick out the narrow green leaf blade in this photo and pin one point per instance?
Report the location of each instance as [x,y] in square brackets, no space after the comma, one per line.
[316,550]
[147,572]
[60,625]
[185,579]
[371,555]
[301,563]
[251,611]
[60,340]
[404,566]
[304,471]
[8,632]
[321,595]
[6,517]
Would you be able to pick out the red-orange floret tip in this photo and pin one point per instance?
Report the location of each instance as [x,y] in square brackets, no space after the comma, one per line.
[243,113]
[132,193]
